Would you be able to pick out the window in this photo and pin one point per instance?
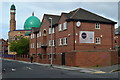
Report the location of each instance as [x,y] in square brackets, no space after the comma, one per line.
[60,27]
[97,26]
[60,41]
[53,30]
[40,34]
[33,45]
[50,55]
[30,45]
[98,40]
[65,41]
[37,45]
[64,25]
[33,36]
[37,35]
[51,43]
[49,30]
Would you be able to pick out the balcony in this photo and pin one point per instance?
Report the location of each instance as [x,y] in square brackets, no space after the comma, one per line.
[44,46]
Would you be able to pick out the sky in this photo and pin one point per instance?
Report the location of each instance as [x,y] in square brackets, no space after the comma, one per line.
[24,10]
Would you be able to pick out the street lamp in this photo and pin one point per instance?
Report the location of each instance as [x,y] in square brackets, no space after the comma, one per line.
[51,41]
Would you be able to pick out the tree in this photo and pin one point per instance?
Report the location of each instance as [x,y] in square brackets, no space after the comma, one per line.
[21,46]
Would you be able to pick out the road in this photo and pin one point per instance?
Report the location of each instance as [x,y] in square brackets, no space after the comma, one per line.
[14,69]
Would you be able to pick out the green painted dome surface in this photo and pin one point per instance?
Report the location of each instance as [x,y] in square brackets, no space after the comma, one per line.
[32,21]
[12,7]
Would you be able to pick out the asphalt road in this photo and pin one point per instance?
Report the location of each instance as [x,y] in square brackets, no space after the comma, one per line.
[14,69]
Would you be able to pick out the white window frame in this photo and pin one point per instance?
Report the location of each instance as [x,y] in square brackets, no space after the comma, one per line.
[49,30]
[33,45]
[60,41]
[37,45]
[97,26]
[53,30]
[40,34]
[53,42]
[64,25]
[37,35]
[50,42]
[98,40]
[65,41]
[60,27]
[33,36]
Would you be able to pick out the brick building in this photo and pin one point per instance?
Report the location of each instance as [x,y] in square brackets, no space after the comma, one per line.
[117,36]
[13,34]
[79,38]
[3,46]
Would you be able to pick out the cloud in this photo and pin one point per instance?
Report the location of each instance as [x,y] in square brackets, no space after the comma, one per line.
[25,9]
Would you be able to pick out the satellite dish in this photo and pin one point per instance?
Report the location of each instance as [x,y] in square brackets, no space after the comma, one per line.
[78,24]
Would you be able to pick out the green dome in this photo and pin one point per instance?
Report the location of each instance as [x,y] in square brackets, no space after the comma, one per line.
[12,7]
[32,21]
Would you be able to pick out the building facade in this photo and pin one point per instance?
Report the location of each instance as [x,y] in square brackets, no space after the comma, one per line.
[13,34]
[77,38]
[3,46]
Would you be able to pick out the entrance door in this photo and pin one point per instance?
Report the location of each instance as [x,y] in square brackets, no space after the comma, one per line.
[63,58]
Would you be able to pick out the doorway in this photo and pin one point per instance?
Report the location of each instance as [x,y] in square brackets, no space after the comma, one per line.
[63,58]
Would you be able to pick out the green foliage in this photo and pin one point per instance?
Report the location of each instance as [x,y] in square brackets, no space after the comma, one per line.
[20,46]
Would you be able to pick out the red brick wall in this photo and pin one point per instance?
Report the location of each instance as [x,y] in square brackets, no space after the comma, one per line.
[96,58]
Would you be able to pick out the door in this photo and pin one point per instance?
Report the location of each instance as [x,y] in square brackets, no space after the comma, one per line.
[63,58]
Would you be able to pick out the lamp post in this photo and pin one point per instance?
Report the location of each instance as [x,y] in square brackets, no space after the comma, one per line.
[51,41]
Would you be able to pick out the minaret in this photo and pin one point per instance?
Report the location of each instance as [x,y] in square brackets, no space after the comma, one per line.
[12,18]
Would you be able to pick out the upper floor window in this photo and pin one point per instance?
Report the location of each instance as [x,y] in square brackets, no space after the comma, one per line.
[60,27]
[65,41]
[40,34]
[31,36]
[53,30]
[64,25]
[33,45]
[51,42]
[98,40]
[97,26]
[60,41]
[37,45]
[37,35]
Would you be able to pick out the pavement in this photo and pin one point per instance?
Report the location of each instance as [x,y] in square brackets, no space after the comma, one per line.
[92,70]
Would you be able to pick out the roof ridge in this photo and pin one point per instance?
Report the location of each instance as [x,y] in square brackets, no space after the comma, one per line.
[51,15]
[75,12]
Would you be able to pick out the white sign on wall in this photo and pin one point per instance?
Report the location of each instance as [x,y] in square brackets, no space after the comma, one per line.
[86,37]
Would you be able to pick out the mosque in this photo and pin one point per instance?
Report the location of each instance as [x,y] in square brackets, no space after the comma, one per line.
[30,22]
[76,38]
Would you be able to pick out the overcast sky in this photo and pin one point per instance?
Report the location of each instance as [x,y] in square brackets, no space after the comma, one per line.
[24,10]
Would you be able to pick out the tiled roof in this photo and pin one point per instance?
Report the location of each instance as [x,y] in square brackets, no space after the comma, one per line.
[55,18]
[81,14]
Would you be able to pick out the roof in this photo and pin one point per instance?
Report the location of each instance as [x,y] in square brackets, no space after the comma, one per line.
[55,18]
[32,21]
[84,15]
[12,7]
